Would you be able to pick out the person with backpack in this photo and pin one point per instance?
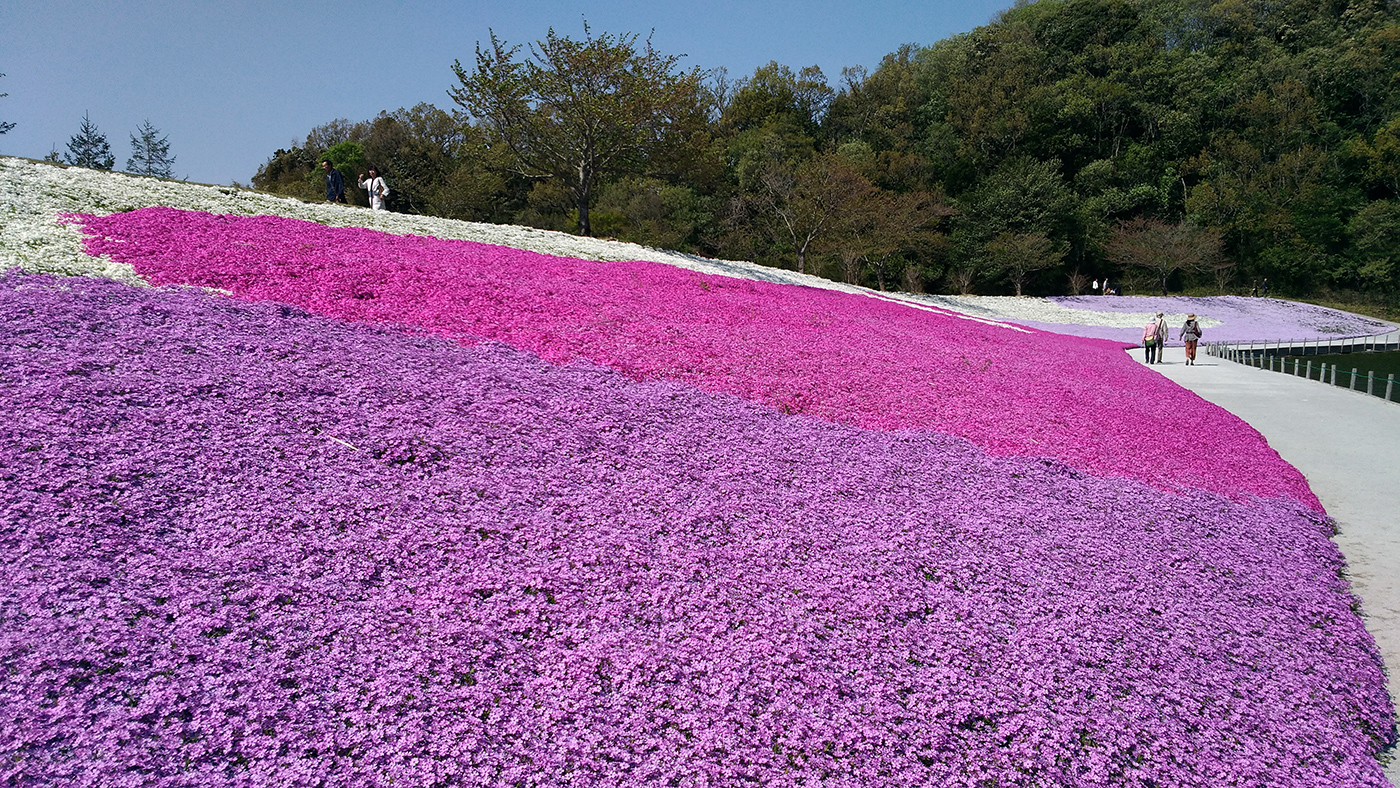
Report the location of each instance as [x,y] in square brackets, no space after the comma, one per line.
[1149,342]
[375,188]
[1154,339]
[1191,334]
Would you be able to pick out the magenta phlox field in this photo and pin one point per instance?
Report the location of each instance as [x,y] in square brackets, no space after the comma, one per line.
[247,545]
[840,357]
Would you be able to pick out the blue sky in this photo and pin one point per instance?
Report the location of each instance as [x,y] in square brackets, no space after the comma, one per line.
[231,81]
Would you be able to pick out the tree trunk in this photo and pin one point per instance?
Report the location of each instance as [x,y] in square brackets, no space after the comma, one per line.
[584,228]
[582,194]
[850,267]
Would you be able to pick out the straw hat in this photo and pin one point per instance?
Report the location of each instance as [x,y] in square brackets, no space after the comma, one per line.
[1191,316]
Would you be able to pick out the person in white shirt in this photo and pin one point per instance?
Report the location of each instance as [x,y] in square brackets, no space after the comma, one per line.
[374,186]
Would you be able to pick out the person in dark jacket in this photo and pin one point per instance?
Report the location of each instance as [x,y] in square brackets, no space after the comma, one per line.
[335,184]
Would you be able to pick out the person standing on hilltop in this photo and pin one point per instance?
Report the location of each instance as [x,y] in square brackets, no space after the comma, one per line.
[374,186]
[335,184]
[1191,334]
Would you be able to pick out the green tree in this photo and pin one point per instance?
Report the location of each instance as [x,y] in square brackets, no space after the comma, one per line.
[1380,157]
[1018,254]
[150,153]
[775,95]
[1375,234]
[89,148]
[802,203]
[349,158]
[882,231]
[289,172]
[582,111]
[1164,249]
[655,213]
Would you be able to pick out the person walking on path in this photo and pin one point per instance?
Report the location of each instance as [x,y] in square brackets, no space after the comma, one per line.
[1154,338]
[1191,334]
[376,189]
[1149,341]
[1162,332]
[335,183]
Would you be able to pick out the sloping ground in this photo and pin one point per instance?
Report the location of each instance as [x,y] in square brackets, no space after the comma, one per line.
[680,529]
[844,358]
[247,545]
[1225,318]
[36,194]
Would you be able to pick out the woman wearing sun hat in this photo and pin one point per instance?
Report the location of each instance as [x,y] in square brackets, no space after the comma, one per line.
[1191,334]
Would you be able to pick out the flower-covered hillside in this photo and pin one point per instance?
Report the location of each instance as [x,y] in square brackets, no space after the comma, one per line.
[36,194]
[1225,318]
[247,545]
[845,358]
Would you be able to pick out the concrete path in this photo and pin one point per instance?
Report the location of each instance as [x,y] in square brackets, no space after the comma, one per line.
[1348,446]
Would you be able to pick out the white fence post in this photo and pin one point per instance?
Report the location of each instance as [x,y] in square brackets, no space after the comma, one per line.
[1354,373]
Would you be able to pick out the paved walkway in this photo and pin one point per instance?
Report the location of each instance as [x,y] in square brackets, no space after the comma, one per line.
[1348,446]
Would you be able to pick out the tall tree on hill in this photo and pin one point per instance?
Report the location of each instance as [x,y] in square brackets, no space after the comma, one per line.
[803,203]
[1163,249]
[150,153]
[1018,254]
[4,127]
[89,148]
[581,111]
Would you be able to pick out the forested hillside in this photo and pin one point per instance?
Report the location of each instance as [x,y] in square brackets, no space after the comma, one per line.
[1166,143]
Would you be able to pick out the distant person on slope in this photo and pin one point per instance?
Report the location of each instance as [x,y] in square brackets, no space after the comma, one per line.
[1191,334]
[335,184]
[376,189]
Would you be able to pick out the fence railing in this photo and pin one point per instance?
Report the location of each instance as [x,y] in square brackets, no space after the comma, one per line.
[1270,356]
[1311,347]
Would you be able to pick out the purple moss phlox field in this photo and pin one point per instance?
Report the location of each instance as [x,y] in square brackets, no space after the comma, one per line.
[1243,319]
[837,356]
[246,545]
